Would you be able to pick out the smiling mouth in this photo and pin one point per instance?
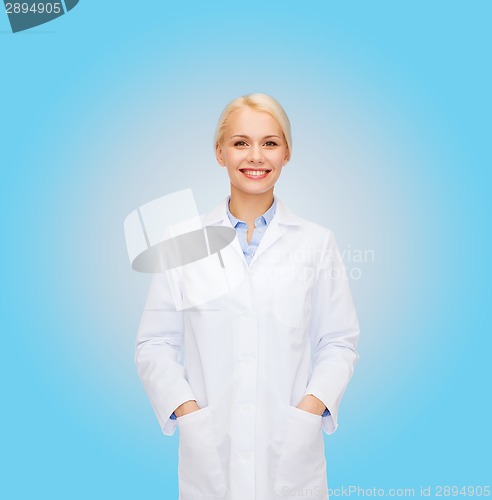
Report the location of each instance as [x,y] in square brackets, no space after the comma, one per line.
[254,174]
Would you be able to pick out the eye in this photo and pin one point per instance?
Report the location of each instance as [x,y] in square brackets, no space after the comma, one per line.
[271,143]
[239,143]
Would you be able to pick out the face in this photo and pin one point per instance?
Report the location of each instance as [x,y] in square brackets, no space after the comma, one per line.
[253,150]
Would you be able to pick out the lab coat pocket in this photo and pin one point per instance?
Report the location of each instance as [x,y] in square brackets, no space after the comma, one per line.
[200,471]
[292,302]
[302,464]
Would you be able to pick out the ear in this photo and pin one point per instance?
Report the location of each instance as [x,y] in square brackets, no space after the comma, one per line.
[218,155]
[286,158]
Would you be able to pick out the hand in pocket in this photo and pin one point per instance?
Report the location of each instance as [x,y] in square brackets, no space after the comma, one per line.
[185,408]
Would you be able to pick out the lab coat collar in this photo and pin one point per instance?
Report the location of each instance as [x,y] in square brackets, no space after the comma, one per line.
[282,215]
[281,220]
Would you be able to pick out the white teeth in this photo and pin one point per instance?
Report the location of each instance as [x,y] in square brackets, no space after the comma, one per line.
[255,173]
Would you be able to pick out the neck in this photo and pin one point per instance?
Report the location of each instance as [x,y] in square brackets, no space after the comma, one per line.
[248,207]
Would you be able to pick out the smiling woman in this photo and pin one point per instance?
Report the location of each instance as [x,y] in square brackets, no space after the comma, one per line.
[253,143]
[267,363]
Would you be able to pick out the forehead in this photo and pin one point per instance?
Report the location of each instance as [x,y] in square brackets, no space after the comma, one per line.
[250,121]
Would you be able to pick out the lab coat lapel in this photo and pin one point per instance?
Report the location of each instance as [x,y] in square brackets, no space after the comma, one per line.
[280,223]
[272,234]
[218,217]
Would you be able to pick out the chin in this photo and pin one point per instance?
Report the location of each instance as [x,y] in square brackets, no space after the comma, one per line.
[254,187]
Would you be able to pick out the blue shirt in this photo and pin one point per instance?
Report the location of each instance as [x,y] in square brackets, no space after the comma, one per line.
[249,249]
[261,224]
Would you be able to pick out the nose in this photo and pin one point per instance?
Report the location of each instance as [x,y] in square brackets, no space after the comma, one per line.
[255,155]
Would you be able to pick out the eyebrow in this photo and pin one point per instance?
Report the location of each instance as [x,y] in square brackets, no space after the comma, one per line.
[247,137]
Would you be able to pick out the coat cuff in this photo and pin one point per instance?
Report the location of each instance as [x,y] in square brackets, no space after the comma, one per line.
[330,416]
[168,425]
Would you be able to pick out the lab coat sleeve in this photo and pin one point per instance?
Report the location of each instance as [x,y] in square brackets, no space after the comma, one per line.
[158,353]
[334,333]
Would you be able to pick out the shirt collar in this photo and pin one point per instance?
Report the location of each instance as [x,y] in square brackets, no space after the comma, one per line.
[265,218]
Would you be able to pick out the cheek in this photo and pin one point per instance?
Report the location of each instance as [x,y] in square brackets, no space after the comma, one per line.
[239,158]
[280,158]
[233,162]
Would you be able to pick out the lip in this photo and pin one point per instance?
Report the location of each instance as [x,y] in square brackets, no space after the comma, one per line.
[255,177]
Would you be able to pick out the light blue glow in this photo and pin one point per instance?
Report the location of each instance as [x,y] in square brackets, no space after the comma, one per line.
[114,105]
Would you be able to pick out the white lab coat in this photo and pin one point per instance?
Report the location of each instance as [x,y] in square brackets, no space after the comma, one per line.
[248,358]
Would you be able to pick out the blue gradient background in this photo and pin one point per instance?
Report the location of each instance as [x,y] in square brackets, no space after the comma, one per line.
[114,104]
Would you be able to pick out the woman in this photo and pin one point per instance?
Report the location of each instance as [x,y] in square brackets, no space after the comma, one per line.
[266,364]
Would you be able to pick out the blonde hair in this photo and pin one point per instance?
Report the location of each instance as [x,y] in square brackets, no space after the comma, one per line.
[260,102]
